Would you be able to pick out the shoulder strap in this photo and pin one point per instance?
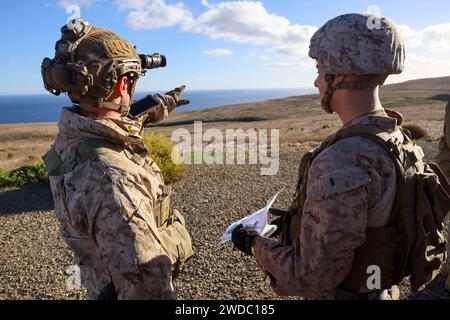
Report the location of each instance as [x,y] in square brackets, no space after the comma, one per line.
[85,150]
[401,154]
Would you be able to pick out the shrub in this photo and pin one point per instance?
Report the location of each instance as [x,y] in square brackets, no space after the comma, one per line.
[10,155]
[26,175]
[417,132]
[160,150]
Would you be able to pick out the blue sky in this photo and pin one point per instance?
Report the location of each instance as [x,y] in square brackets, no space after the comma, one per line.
[216,44]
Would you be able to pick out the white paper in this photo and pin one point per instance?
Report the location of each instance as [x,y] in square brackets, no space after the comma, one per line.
[257,221]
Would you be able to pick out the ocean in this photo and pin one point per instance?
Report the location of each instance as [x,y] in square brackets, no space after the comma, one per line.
[46,107]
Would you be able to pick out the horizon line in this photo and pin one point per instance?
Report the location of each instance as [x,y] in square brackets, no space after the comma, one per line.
[164,90]
[226,89]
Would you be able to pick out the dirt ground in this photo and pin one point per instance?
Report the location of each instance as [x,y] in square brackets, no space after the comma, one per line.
[35,263]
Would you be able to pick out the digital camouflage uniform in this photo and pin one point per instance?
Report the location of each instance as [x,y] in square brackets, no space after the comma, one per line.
[351,185]
[335,218]
[105,208]
[443,160]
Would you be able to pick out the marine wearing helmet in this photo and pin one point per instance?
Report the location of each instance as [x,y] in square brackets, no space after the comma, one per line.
[110,197]
[340,217]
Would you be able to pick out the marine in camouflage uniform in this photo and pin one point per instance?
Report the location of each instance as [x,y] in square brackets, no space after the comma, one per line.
[106,203]
[443,160]
[351,184]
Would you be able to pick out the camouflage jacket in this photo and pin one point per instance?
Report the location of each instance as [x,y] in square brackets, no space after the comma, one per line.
[335,217]
[443,160]
[105,208]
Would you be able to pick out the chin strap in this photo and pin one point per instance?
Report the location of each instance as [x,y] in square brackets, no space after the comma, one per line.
[326,101]
[370,82]
[101,103]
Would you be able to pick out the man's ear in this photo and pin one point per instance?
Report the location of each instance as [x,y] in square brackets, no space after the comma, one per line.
[121,87]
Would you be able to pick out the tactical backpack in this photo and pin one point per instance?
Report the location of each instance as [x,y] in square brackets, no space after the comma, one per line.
[412,243]
[172,234]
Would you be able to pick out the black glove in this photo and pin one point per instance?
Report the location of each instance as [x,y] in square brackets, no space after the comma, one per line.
[279,222]
[243,239]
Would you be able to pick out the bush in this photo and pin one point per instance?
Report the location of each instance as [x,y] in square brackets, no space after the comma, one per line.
[26,175]
[417,132]
[160,150]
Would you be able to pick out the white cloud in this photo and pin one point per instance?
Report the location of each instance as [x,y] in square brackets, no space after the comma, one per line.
[419,66]
[235,21]
[248,22]
[217,53]
[206,3]
[81,3]
[291,50]
[435,38]
[131,4]
[153,14]
[289,65]
[411,37]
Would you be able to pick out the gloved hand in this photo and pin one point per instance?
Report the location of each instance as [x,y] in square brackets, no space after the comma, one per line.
[168,103]
[172,99]
[243,239]
[279,223]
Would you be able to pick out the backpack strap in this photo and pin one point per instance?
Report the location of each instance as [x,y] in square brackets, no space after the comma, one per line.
[85,150]
[405,156]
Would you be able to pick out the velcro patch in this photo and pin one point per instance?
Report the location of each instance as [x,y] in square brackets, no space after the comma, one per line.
[118,48]
[342,181]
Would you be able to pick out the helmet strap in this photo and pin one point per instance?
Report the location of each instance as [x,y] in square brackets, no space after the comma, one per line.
[326,101]
[114,106]
[101,103]
[372,82]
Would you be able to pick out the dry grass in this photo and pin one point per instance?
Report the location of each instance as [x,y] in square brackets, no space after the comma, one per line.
[299,119]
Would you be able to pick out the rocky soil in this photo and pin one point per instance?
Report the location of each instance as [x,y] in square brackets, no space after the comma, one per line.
[33,260]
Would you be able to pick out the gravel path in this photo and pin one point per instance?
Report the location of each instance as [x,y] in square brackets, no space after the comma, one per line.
[33,259]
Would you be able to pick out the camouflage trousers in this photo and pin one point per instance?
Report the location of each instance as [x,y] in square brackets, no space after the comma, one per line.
[94,274]
[103,282]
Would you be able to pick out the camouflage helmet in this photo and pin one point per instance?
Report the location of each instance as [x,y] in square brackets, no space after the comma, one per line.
[358,44]
[88,63]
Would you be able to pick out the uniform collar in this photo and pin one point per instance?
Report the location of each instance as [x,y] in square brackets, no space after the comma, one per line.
[73,125]
[385,118]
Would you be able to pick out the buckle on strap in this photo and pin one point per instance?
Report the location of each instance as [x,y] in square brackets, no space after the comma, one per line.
[162,213]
